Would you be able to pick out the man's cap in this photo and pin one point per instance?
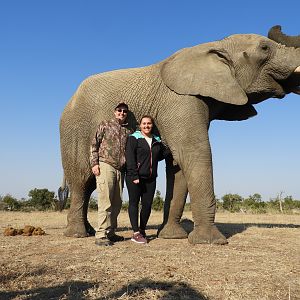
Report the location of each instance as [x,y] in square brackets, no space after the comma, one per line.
[122,104]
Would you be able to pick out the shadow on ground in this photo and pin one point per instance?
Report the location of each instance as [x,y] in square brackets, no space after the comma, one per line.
[228,229]
[11,275]
[142,288]
[135,290]
[68,290]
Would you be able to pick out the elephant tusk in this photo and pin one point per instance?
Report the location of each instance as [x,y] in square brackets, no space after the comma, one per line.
[297,70]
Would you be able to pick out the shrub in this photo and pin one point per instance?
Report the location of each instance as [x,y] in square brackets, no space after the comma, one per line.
[187,206]
[93,204]
[10,203]
[232,202]
[125,205]
[219,204]
[254,204]
[41,199]
[158,201]
[289,203]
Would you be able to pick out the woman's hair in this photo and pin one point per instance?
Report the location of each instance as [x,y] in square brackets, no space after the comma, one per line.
[146,116]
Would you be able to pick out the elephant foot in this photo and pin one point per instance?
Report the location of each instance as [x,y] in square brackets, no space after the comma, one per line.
[207,234]
[76,230]
[172,231]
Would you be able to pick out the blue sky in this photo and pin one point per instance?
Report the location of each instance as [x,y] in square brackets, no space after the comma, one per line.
[48,47]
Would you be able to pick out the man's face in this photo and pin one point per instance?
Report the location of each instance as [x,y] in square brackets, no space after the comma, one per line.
[121,113]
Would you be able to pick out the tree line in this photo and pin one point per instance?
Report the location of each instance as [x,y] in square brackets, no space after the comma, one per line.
[43,199]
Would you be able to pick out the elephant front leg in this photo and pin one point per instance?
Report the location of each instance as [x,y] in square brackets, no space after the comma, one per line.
[174,203]
[203,205]
[186,134]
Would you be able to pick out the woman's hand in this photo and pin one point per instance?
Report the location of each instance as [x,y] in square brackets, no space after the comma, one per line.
[136,181]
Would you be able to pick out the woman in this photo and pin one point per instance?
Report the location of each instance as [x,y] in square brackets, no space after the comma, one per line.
[143,151]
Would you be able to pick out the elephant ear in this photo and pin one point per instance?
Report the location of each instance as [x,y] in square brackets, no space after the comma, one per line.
[203,70]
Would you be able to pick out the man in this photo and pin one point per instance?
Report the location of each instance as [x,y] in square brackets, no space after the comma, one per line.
[107,161]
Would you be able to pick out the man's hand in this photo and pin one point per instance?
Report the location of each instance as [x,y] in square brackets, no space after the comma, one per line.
[96,170]
[136,181]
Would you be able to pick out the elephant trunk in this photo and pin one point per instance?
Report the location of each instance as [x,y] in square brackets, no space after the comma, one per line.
[63,193]
[278,36]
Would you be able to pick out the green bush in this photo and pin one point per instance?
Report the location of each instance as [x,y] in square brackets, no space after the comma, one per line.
[187,206]
[158,202]
[10,203]
[219,204]
[254,204]
[289,203]
[232,202]
[3,206]
[93,204]
[41,199]
[125,205]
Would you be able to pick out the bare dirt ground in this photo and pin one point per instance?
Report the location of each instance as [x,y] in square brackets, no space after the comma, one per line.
[261,261]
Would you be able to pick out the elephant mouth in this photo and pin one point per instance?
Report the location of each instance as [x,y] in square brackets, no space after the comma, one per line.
[292,83]
[296,76]
[296,90]
[281,87]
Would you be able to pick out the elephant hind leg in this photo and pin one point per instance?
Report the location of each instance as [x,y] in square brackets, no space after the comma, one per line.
[174,203]
[78,224]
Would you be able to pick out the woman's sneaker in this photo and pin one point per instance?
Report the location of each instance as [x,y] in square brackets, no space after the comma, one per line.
[138,238]
[143,233]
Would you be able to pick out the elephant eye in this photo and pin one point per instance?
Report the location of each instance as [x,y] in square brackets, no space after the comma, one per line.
[265,47]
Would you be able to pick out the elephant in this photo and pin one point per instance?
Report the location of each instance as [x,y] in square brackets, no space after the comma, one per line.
[173,207]
[219,80]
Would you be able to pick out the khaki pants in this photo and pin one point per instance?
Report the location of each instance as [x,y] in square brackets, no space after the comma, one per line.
[109,188]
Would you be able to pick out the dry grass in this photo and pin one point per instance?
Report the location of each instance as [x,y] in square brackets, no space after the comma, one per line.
[261,261]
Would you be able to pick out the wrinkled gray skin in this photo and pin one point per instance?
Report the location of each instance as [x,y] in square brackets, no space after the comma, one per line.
[184,93]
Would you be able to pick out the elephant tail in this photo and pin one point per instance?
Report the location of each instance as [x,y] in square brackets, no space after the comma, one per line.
[63,193]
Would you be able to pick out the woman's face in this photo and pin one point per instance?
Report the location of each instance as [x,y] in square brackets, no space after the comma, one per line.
[146,126]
